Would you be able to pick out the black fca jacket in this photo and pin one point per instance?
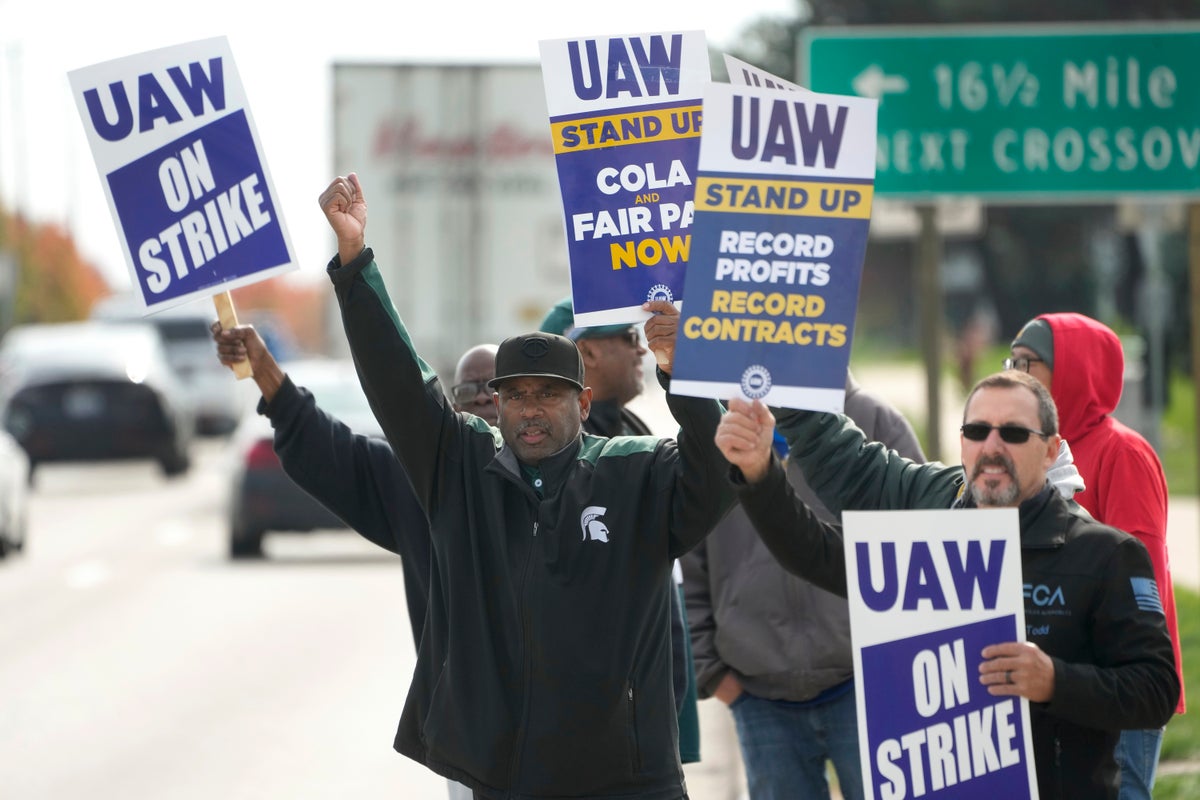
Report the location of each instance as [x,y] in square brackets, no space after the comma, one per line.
[545,668]
[1085,593]
[357,478]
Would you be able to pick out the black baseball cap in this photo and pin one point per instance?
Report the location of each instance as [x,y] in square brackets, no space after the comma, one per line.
[538,355]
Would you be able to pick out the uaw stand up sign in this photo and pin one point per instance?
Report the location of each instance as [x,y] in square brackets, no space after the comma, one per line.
[783,203]
[625,121]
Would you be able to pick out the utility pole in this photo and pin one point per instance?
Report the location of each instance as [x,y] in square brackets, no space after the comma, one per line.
[929,312]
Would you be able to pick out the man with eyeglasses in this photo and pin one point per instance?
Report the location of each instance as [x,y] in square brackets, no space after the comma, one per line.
[1093,664]
[470,392]
[1081,362]
[544,670]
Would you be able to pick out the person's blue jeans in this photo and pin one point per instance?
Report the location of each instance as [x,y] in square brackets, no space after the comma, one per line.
[785,746]
[1137,756]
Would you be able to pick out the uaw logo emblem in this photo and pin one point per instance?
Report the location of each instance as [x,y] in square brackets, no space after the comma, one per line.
[660,291]
[592,524]
[756,381]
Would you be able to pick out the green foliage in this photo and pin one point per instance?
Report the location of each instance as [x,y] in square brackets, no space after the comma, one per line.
[1182,786]
[53,283]
[1178,438]
[1182,738]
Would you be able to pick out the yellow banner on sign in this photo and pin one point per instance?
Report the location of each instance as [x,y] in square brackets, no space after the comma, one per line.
[614,130]
[788,197]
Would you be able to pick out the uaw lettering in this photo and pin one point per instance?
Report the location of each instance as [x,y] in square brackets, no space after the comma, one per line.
[154,103]
[634,67]
[795,131]
[926,572]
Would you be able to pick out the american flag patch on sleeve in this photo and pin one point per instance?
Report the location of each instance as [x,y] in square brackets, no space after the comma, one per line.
[1145,593]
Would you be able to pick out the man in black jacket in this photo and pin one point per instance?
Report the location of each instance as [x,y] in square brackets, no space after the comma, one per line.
[545,668]
[1099,662]
[356,477]
[612,369]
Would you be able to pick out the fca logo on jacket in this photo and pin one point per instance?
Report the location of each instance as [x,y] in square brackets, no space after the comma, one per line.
[1043,595]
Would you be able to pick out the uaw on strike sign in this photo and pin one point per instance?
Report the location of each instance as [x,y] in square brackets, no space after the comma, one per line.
[928,591]
[178,154]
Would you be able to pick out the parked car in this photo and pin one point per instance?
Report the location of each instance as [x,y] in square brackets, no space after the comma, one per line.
[92,391]
[211,388]
[14,495]
[262,497]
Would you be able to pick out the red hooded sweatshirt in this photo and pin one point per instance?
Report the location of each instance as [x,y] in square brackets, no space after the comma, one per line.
[1126,487]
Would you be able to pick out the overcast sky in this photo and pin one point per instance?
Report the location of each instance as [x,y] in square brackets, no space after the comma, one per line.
[283,53]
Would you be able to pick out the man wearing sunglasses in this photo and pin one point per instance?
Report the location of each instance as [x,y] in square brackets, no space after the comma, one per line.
[1081,362]
[1093,664]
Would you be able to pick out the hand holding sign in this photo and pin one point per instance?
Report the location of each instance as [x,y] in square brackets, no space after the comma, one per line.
[227,315]
[661,331]
[744,437]
[1018,668]
[345,207]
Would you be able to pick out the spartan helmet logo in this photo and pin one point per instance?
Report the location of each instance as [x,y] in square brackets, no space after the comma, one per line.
[592,524]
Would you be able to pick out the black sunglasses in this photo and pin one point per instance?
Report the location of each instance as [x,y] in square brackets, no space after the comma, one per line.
[464,393]
[1013,434]
[1022,363]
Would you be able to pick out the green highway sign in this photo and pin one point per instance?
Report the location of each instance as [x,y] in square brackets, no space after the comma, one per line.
[1038,112]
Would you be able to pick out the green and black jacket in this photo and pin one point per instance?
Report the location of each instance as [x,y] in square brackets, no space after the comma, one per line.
[545,667]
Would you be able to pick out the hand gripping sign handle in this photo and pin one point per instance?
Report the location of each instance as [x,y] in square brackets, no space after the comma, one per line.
[228,316]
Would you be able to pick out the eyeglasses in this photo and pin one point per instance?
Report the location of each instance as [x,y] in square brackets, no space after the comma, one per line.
[464,393]
[1013,434]
[1022,363]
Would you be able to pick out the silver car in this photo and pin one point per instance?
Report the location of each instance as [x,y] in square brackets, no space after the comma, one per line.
[262,497]
[211,388]
[14,495]
[92,391]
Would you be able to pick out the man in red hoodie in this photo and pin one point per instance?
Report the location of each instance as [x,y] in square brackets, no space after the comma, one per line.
[1080,361]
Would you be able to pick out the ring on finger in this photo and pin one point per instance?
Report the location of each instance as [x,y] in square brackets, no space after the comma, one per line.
[1008,676]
